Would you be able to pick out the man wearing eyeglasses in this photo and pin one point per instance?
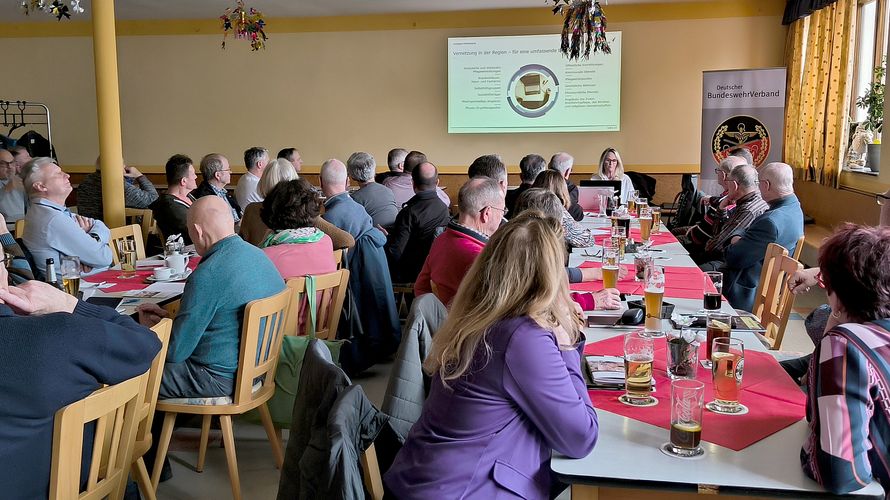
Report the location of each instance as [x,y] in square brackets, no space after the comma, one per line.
[217,175]
[12,191]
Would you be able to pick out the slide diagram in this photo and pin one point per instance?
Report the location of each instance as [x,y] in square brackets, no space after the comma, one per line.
[533,91]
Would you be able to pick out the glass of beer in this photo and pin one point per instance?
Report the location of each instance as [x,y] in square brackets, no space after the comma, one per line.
[619,240]
[656,220]
[642,203]
[653,296]
[632,204]
[728,359]
[646,226]
[639,352]
[624,221]
[71,274]
[718,327]
[127,253]
[687,402]
[610,268]
[713,285]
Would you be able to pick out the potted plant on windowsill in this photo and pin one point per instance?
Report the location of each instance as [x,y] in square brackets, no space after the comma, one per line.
[872,101]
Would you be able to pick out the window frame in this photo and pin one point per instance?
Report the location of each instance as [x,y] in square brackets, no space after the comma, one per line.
[880,52]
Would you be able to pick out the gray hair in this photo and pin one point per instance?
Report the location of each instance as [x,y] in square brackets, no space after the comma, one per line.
[332,172]
[561,162]
[478,193]
[32,172]
[210,165]
[730,163]
[395,158]
[780,175]
[361,166]
[540,199]
[530,166]
[253,155]
[745,176]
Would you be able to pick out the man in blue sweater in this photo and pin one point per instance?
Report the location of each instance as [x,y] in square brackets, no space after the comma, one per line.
[55,350]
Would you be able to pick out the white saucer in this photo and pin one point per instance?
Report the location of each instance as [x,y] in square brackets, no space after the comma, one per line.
[171,279]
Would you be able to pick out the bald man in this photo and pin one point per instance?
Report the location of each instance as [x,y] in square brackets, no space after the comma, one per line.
[782,223]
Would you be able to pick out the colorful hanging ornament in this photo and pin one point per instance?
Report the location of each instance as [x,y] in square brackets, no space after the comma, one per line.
[29,6]
[59,10]
[584,26]
[56,8]
[246,23]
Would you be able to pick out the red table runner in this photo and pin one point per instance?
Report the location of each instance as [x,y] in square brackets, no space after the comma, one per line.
[773,400]
[625,285]
[662,238]
[680,282]
[137,282]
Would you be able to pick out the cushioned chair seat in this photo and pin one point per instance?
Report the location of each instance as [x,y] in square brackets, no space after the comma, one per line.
[217,401]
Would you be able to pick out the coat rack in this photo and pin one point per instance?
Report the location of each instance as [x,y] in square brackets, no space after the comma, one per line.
[18,114]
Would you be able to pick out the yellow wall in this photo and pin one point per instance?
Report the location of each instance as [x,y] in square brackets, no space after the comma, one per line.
[330,93]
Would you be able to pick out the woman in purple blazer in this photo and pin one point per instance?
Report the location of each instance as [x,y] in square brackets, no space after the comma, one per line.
[507,386]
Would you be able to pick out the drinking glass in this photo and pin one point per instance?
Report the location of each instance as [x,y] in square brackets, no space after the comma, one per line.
[656,220]
[632,202]
[682,359]
[728,359]
[718,327]
[687,402]
[127,252]
[642,203]
[713,286]
[653,296]
[71,274]
[619,240]
[646,226]
[642,259]
[639,352]
[624,221]
[611,264]
[601,204]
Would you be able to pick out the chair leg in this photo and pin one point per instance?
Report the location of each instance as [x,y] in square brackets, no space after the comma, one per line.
[274,438]
[202,449]
[140,474]
[163,445]
[225,421]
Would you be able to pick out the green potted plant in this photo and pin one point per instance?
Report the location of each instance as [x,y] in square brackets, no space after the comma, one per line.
[872,101]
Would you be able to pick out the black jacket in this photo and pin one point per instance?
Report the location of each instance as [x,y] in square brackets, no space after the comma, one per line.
[412,235]
[170,214]
[575,209]
[206,190]
[513,197]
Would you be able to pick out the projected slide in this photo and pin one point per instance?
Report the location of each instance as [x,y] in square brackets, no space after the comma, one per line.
[525,84]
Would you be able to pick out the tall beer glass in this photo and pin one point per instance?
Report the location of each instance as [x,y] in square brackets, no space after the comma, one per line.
[619,240]
[718,327]
[653,297]
[728,359]
[656,220]
[610,267]
[645,225]
[713,285]
[71,274]
[127,253]
[639,352]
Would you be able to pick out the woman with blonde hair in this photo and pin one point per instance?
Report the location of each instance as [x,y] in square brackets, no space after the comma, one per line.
[253,230]
[576,235]
[506,377]
[611,168]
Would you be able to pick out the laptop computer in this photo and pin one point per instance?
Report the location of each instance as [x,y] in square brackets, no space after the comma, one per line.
[589,197]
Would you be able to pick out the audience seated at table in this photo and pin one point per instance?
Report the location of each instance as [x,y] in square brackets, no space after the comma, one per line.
[714,210]
[418,223]
[781,224]
[480,204]
[51,230]
[576,235]
[563,163]
[294,244]
[18,267]
[491,166]
[744,196]
[848,405]
[253,230]
[170,210]
[139,192]
[377,199]
[507,388]
[255,160]
[611,168]
[529,168]
[55,350]
[217,175]
[395,160]
[293,156]
[12,191]
[403,187]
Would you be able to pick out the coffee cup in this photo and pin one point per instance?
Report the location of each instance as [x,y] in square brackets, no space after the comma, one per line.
[177,263]
[162,273]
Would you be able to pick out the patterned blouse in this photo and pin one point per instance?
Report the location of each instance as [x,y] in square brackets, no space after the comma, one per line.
[849,408]
[576,235]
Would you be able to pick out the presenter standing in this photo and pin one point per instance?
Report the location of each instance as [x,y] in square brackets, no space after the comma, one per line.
[612,169]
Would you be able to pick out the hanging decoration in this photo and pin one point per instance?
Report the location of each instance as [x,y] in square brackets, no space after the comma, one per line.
[56,8]
[584,26]
[246,23]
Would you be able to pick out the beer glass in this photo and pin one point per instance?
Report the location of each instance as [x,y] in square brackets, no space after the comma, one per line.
[619,240]
[656,220]
[601,205]
[646,226]
[632,202]
[687,402]
[127,253]
[624,221]
[642,203]
[642,259]
[639,352]
[718,327]
[713,286]
[653,296]
[728,359]
[611,264]
[71,274]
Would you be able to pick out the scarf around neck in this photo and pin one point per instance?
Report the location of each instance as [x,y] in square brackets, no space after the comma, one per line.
[292,236]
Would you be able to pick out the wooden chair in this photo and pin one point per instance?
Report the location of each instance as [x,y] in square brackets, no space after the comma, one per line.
[142,216]
[331,292]
[115,409]
[798,249]
[371,473]
[147,410]
[132,232]
[19,229]
[338,258]
[264,327]
[773,301]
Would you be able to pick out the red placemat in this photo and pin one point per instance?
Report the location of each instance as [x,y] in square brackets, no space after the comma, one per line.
[119,284]
[625,285]
[773,400]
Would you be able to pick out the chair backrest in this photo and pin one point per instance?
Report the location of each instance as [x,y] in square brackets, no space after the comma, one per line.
[153,380]
[115,409]
[261,334]
[371,473]
[142,216]
[19,230]
[798,249]
[330,292]
[773,301]
[131,232]
[338,258]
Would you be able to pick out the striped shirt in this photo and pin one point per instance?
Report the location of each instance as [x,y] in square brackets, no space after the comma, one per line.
[747,208]
[849,408]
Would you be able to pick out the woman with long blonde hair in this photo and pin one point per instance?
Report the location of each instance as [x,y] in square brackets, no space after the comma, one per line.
[611,168]
[506,377]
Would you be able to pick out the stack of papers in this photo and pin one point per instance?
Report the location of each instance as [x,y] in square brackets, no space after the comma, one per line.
[606,372]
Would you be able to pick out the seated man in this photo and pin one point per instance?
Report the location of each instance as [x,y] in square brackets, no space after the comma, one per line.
[255,160]
[217,175]
[377,200]
[490,166]
[563,163]
[401,184]
[529,168]
[55,350]
[714,209]
[12,191]
[395,160]
[781,224]
[18,267]
[293,156]
[51,230]
[171,208]
[480,202]
[139,192]
[417,224]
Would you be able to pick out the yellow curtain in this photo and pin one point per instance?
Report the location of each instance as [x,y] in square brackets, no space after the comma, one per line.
[819,58]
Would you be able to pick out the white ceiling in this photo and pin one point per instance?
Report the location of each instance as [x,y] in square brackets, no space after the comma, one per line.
[11,11]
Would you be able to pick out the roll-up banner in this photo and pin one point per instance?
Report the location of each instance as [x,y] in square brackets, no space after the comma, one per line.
[741,107]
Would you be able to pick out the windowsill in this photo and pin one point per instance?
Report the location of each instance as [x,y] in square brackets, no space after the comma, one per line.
[862,182]
[860,172]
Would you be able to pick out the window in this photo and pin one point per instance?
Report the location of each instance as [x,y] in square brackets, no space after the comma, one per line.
[871,47]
